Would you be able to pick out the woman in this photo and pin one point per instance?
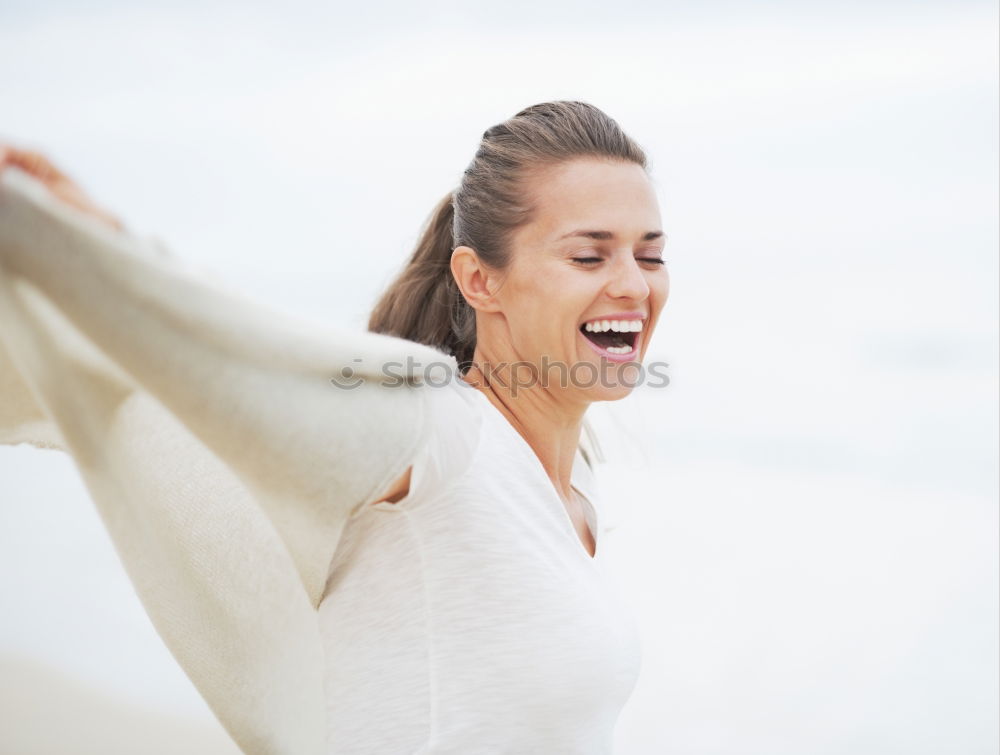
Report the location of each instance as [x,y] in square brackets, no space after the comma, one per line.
[427,576]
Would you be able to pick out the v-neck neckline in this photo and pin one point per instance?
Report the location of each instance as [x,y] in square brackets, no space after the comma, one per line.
[590,518]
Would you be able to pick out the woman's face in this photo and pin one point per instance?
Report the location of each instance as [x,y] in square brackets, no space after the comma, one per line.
[592,254]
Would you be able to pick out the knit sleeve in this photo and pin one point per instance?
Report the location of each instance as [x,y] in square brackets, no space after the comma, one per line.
[224,444]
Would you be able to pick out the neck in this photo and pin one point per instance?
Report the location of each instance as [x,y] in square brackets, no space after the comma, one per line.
[544,415]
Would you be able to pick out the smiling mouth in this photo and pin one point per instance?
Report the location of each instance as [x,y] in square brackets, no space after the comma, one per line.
[611,338]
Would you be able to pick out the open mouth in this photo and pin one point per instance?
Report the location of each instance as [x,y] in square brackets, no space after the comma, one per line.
[615,336]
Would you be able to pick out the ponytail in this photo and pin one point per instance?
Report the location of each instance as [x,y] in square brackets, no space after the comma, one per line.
[424,304]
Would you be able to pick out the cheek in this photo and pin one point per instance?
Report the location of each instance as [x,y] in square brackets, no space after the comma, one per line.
[543,303]
[659,291]
[527,303]
[539,292]
[661,288]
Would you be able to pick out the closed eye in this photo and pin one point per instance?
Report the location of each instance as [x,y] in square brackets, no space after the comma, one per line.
[594,260]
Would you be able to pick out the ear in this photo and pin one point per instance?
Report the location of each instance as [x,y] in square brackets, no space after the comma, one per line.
[477,283]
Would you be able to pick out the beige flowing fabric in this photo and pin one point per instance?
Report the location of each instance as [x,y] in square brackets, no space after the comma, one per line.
[222,459]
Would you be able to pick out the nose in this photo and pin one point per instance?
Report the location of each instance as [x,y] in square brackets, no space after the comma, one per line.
[627,280]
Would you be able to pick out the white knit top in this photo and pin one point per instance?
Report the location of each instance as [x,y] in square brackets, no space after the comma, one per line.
[468,617]
[235,481]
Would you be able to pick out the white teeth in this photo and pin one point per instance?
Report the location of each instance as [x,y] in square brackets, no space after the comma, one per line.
[618,326]
[618,349]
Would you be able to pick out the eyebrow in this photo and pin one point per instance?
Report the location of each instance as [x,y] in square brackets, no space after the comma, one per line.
[607,235]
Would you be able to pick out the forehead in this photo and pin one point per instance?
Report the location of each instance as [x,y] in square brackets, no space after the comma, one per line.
[591,193]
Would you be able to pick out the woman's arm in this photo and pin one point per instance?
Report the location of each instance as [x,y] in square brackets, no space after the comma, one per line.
[251,384]
[210,570]
[221,461]
[22,417]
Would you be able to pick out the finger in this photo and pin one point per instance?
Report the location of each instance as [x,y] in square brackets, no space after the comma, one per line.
[21,158]
[34,163]
[8,157]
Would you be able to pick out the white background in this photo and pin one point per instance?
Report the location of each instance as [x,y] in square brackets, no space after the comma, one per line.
[806,519]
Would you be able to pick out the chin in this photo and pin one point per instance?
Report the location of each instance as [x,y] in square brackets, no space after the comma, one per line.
[617,382]
[608,395]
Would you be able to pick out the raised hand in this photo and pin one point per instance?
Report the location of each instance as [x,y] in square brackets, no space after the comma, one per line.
[62,186]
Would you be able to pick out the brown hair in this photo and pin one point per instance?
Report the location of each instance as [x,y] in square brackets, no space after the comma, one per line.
[424,303]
